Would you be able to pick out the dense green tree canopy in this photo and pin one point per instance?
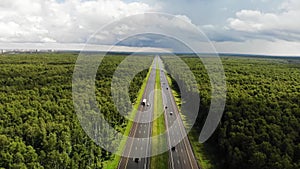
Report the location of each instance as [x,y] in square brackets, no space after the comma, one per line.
[38,124]
[260,125]
[39,127]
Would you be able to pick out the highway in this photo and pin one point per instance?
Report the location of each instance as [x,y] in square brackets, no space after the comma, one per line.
[141,129]
[181,155]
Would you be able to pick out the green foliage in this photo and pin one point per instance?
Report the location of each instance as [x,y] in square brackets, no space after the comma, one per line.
[38,124]
[260,125]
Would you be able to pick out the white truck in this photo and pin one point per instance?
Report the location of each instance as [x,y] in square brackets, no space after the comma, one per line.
[144,102]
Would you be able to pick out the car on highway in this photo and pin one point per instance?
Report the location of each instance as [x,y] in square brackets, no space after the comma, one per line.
[171,113]
[148,104]
[136,160]
[144,102]
[173,148]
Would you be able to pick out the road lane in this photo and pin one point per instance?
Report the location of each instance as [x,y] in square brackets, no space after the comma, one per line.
[182,157]
[142,130]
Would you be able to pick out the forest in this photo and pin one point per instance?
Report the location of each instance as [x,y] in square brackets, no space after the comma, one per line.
[260,124]
[39,128]
[38,124]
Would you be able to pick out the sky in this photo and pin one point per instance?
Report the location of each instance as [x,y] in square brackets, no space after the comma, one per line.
[269,27]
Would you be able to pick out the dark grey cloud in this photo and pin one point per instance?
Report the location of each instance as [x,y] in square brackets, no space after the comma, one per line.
[156,41]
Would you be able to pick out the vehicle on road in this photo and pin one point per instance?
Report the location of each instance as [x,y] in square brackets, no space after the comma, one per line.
[171,113]
[144,102]
[136,160]
[166,107]
[173,148]
[148,104]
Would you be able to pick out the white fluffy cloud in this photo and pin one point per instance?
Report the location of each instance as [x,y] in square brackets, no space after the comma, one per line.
[232,26]
[66,21]
[74,21]
[282,24]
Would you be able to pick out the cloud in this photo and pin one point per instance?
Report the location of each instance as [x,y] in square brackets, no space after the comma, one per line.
[154,30]
[64,21]
[221,34]
[74,21]
[227,23]
[262,47]
[256,24]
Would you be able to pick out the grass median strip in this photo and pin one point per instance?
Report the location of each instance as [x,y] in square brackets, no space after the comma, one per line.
[158,127]
[113,163]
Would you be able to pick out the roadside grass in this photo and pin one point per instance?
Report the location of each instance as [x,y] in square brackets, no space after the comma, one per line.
[206,155]
[114,162]
[158,127]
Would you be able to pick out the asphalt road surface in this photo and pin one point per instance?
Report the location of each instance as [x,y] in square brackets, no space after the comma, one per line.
[141,129]
[181,155]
